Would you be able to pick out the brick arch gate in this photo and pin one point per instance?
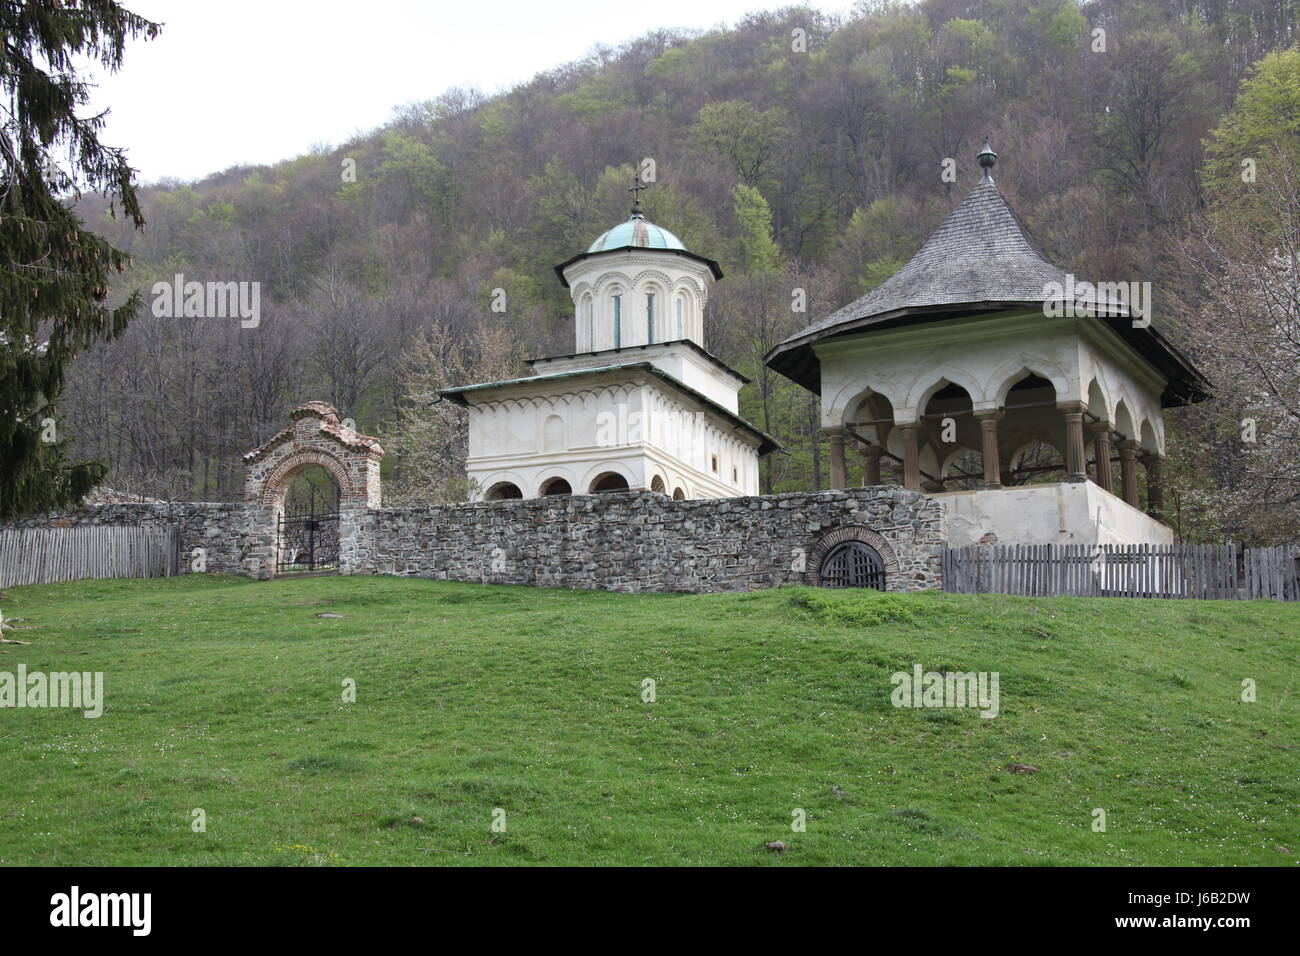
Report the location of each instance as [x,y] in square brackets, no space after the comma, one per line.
[316,436]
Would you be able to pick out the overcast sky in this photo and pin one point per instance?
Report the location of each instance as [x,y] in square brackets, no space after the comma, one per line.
[255,81]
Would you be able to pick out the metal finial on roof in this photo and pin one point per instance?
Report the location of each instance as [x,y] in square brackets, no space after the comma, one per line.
[987,158]
[635,190]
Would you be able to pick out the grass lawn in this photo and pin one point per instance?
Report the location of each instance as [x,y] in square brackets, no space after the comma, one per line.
[226,695]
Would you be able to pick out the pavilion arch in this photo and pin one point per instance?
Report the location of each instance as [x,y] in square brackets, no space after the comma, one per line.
[1098,400]
[1123,421]
[1017,456]
[1000,383]
[1149,438]
[855,402]
[920,394]
[871,405]
[950,461]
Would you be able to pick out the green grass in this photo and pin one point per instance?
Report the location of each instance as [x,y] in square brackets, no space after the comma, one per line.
[226,695]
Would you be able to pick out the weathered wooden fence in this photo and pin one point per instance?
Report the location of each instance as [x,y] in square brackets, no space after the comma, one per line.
[1142,570]
[42,555]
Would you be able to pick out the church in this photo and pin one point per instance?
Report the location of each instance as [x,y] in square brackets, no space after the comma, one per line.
[983,373]
[639,404]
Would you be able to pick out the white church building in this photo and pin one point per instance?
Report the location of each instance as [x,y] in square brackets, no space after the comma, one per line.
[982,373]
[639,404]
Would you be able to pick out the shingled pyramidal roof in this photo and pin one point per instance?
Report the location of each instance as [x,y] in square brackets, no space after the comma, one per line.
[980,259]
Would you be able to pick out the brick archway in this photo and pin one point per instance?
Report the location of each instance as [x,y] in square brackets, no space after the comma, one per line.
[854,532]
[316,436]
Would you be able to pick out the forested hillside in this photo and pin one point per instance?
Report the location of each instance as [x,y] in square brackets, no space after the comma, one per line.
[816,169]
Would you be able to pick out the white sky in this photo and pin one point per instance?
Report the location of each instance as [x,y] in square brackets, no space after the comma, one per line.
[256,81]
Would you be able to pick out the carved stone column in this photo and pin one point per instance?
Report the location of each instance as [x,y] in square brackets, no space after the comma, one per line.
[871,457]
[1076,467]
[911,458]
[1101,451]
[989,439]
[1155,491]
[836,435]
[1128,456]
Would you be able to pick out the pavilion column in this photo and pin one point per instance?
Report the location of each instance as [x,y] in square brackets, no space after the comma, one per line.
[1076,467]
[1128,457]
[836,435]
[911,458]
[1101,451]
[1155,491]
[989,436]
[871,457]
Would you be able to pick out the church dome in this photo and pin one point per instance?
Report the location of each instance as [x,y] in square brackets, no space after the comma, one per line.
[637,231]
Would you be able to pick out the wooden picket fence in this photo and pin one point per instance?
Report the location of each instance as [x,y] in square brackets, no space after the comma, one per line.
[1207,572]
[43,555]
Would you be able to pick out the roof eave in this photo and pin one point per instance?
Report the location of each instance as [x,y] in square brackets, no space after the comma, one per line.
[712,264]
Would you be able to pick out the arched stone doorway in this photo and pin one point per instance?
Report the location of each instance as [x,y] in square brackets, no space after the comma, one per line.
[853,556]
[316,441]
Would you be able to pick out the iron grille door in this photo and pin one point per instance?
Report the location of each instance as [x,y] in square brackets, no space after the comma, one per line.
[853,565]
[308,542]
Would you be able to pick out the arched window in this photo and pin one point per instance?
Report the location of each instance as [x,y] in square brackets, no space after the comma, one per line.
[609,481]
[554,487]
[589,314]
[618,321]
[657,484]
[503,491]
[853,565]
[678,494]
[681,307]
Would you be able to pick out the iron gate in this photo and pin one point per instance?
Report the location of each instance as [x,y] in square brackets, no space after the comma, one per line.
[853,565]
[308,542]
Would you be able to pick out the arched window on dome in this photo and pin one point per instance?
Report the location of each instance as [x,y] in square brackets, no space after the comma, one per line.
[618,320]
[681,309]
[650,318]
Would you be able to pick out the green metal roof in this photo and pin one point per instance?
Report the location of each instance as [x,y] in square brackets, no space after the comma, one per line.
[637,231]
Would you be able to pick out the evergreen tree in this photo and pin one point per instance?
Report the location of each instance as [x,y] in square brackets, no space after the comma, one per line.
[54,274]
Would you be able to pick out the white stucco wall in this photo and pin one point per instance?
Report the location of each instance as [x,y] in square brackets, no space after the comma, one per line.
[678,359]
[633,274]
[630,423]
[1058,513]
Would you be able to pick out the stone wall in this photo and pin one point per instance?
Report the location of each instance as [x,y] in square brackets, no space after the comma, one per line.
[640,541]
[628,541]
[225,530]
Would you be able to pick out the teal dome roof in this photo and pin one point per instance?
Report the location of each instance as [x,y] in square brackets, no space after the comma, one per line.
[637,231]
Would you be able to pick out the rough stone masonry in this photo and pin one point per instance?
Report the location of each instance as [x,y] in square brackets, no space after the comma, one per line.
[641,541]
[626,541]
